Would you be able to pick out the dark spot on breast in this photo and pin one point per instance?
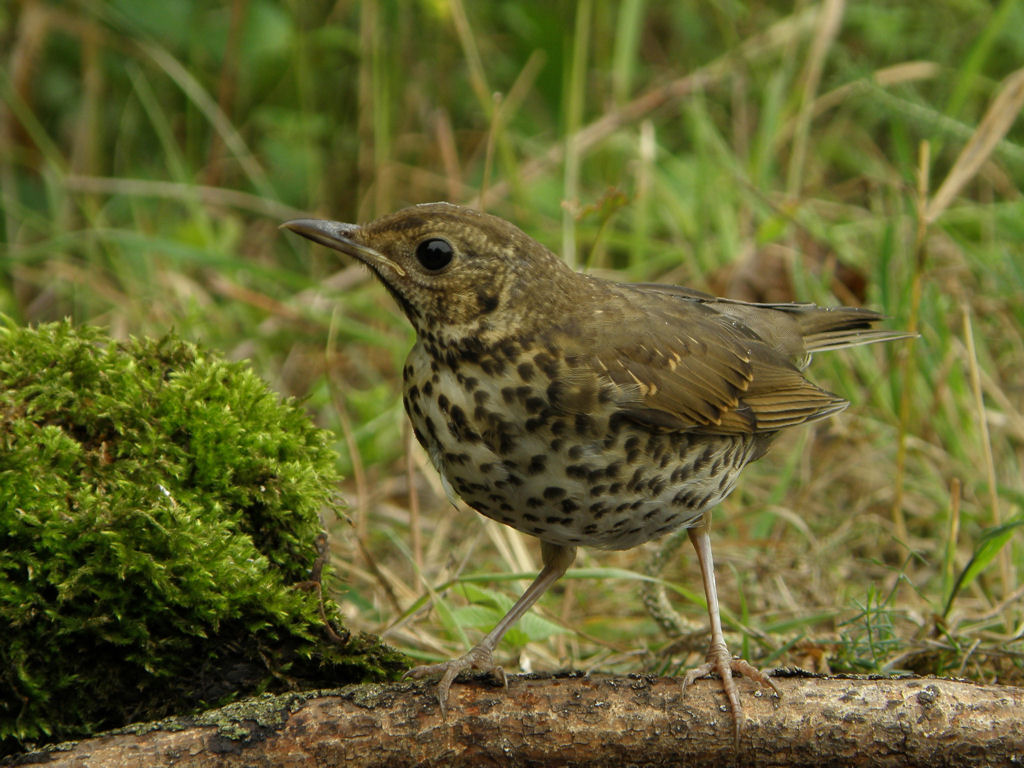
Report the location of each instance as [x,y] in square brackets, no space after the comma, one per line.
[431,429]
[687,498]
[492,366]
[553,492]
[704,458]
[655,443]
[533,404]
[584,425]
[547,364]
[636,479]
[510,350]
[487,302]
[656,485]
[534,423]
[499,435]
[459,426]
[537,464]
[525,371]
[616,422]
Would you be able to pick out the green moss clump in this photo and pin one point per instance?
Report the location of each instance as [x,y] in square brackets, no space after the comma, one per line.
[157,508]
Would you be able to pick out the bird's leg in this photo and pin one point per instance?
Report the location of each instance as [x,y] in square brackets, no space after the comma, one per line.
[719,659]
[557,560]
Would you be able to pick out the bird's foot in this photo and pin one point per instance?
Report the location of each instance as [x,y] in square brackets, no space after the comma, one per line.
[720,661]
[478,658]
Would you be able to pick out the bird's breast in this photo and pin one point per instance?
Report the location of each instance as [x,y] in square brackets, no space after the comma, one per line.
[590,477]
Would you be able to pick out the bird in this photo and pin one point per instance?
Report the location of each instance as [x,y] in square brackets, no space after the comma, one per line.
[584,411]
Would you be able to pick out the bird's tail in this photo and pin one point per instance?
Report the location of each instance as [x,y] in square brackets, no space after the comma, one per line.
[824,328]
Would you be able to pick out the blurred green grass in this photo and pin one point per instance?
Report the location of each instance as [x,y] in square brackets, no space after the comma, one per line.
[148,152]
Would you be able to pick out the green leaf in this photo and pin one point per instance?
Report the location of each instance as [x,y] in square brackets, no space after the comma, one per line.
[989,545]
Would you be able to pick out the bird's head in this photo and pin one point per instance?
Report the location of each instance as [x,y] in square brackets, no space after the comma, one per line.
[453,270]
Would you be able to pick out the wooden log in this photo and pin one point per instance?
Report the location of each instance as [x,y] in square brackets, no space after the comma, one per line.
[585,721]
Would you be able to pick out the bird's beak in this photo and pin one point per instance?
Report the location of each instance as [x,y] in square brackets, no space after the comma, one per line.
[339,236]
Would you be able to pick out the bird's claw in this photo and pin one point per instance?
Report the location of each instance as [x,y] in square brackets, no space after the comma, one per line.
[479,658]
[724,664]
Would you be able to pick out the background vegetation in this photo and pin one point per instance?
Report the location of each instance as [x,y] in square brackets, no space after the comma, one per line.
[148,152]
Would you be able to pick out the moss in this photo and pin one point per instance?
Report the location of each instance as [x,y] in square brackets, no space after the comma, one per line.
[158,507]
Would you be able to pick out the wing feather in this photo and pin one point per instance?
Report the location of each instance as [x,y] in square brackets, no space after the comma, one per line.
[695,368]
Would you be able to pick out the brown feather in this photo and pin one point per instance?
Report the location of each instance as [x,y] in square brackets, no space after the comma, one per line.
[704,364]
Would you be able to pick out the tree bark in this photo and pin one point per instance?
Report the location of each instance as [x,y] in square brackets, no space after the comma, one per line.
[586,721]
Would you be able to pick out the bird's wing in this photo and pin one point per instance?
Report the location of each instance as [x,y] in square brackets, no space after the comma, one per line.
[687,367]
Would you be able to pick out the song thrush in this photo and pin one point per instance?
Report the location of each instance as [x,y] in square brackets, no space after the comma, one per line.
[584,411]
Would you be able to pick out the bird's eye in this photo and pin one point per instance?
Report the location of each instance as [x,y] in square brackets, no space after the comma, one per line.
[435,254]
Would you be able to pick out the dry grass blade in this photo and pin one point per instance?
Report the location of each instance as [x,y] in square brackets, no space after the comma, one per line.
[986,443]
[206,104]
[173,190]
[828,26]
[897,74]
[477,75]
[990,131]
